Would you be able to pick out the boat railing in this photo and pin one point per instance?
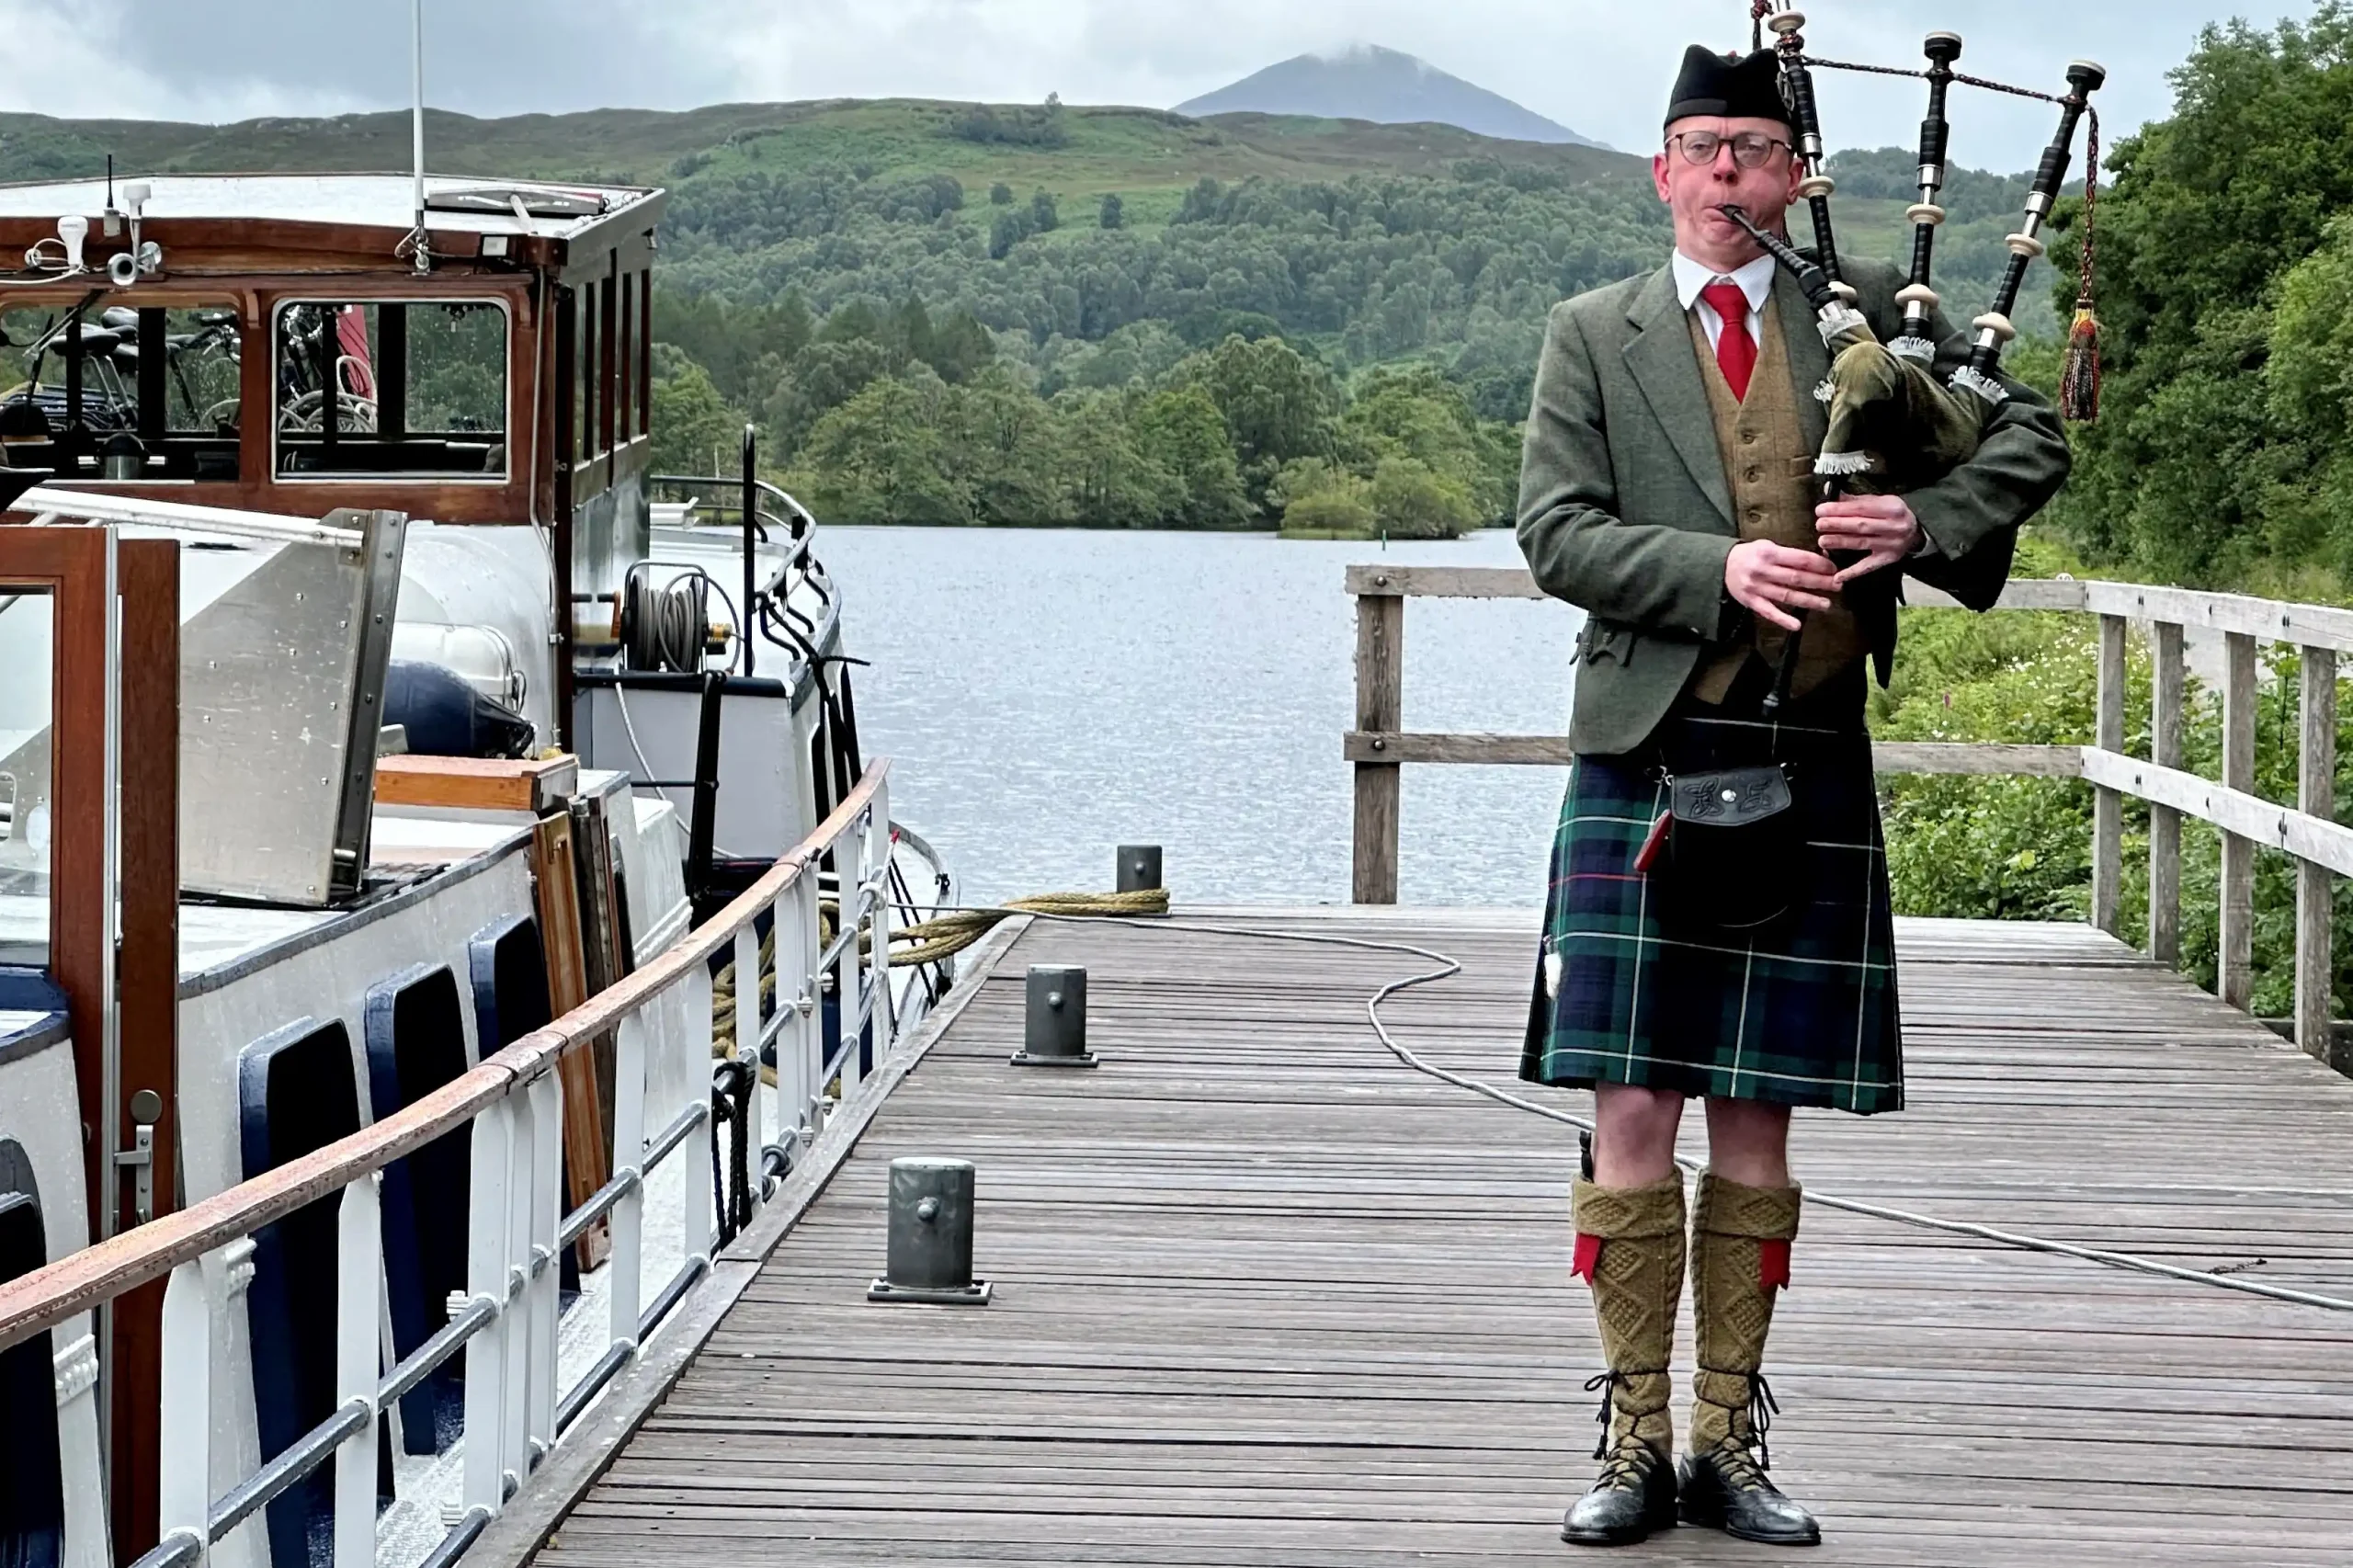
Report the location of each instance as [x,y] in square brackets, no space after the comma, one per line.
[2307,831]
[762,511]
[515,1410]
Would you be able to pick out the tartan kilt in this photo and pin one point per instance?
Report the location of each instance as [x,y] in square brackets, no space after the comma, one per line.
[1802,1013]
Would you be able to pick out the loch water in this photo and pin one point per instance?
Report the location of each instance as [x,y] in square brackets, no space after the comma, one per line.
[1048,694]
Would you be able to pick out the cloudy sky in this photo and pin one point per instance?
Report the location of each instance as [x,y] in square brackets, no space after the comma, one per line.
[1600,66]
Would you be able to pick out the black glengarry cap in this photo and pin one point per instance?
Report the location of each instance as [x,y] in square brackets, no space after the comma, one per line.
[1712,86]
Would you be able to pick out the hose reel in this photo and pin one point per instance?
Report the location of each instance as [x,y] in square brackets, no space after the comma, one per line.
[668,628]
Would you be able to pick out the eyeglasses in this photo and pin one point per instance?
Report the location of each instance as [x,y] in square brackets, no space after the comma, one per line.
[1749,148]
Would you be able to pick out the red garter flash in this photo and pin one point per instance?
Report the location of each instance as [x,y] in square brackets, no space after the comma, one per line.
[1587,1258]
[1772,1265]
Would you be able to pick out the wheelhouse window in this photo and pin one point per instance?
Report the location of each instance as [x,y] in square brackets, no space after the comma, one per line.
[122,392]
[411,389]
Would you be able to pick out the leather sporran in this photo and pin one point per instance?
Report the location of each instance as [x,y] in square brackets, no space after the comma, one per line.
[1728,856]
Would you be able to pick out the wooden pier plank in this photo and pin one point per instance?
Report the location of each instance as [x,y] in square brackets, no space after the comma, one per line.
[1265,1297]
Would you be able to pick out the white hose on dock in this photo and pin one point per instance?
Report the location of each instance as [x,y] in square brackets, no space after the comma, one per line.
[1448,968]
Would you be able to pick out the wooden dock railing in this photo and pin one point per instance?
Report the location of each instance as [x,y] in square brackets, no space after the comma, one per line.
[1379,746]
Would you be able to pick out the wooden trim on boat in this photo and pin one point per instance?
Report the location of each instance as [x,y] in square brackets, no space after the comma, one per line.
[147,574]
[85,1280]
[71,566]
[481,784]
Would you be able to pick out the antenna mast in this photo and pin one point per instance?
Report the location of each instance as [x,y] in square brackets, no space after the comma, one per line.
[419,249]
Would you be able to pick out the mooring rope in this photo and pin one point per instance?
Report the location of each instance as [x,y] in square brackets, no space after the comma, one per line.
[1448,968]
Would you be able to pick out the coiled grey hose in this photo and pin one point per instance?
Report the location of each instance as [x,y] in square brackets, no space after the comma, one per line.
[1448,968]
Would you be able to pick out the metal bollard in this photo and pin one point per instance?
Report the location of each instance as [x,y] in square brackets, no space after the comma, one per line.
[1139,868]
[930,1253]
[1054,1030]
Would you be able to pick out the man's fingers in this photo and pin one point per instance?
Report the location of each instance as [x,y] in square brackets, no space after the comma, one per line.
[1802,582]
[1766,610]
[1881,506]
[1858,534]
[1805,562]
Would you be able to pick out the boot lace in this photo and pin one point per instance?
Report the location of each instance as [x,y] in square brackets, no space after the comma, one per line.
[1739,1467]
[1627,1461]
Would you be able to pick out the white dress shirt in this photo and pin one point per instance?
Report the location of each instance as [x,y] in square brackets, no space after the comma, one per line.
[1756,280]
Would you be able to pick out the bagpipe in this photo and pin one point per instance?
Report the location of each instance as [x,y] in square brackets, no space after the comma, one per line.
[1894,424]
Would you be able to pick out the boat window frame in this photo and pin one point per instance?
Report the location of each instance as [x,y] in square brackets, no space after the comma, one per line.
[273,305]
[178,295]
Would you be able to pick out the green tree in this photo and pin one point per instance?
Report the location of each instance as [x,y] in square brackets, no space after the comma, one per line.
[1044,218]
[1414,411]
[1411,501]
[820,379]
[1276,404]
[1111,480]
[856,319]
[1342,506]
[882,457]
[691,421]
[909,331]
[1000,194]
[2197,471]
[1003,451]
[960,348]
[1112,214]
[1181,430]
[1008,230]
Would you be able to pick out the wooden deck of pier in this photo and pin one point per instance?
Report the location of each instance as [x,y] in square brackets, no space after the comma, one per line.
[1265,1297]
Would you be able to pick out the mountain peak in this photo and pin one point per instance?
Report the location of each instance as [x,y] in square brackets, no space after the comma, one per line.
[1364,81]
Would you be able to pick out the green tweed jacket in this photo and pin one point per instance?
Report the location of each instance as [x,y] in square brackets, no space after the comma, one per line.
[1624,510]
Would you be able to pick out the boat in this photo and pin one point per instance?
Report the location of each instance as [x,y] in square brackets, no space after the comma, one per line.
[368,703]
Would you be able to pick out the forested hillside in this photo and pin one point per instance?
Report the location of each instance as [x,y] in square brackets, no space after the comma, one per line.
[1042,286]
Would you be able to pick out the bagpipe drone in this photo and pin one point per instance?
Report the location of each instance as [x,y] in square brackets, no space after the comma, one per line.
[1894,424]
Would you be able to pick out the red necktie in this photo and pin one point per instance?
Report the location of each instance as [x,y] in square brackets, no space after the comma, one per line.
[1735,350]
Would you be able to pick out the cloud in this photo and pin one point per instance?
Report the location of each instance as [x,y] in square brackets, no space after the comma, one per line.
[1598,66]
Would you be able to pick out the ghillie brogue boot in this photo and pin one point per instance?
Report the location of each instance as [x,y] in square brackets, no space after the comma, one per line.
[1740,1257]
[1630,1249]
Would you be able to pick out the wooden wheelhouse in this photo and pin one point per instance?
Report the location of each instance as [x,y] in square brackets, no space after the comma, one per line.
[275,344]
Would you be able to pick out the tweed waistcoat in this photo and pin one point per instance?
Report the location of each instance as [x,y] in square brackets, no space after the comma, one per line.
[1770,470]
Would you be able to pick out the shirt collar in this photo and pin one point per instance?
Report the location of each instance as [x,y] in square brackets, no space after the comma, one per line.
[1756,280]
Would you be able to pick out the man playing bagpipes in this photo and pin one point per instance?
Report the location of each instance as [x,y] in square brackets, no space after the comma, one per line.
[1718,923]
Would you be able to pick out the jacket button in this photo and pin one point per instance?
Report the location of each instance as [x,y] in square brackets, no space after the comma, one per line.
[1751,475]
[1748,437]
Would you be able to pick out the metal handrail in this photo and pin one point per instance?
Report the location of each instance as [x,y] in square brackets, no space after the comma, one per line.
[49,1296]
[857,832]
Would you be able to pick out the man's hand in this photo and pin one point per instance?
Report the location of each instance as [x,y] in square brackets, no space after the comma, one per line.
[1882,527]
[1769,580]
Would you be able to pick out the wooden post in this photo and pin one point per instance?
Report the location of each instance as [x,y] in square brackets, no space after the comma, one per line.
[1380,671]
[2236,969]
[2164,822]
[2315,796]
[147,574]
[2108,805]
